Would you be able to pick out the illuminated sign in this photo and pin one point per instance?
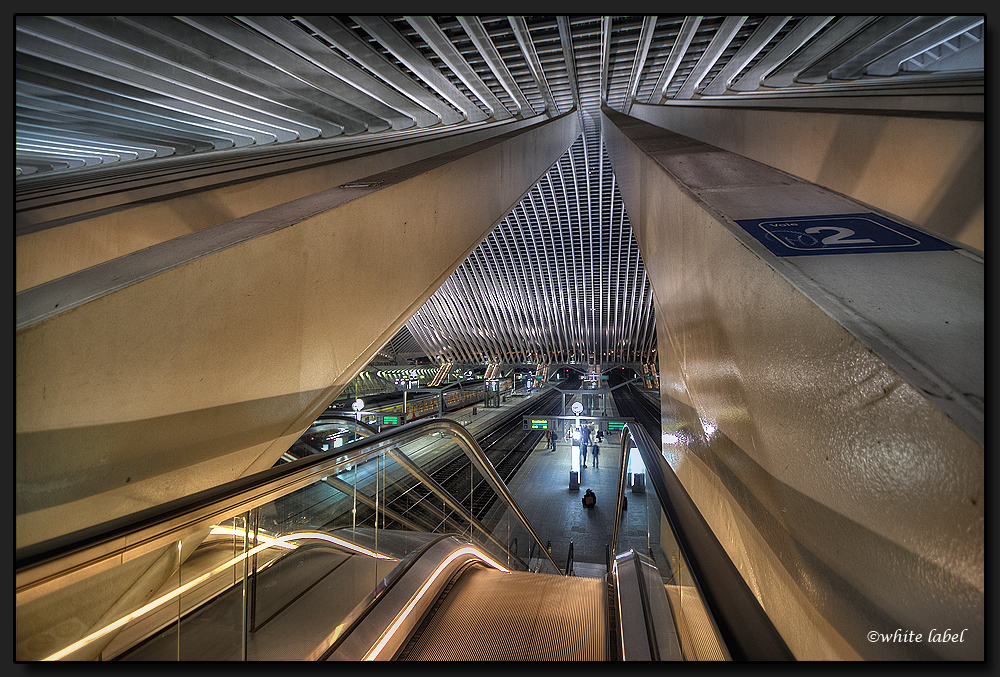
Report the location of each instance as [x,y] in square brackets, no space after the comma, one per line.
[393,419]
[616,425]
[539,424]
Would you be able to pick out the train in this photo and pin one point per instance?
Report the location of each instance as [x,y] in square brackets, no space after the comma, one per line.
[388,408]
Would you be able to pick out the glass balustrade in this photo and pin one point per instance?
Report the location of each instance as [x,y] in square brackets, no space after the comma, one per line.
[273,566]
[645,528]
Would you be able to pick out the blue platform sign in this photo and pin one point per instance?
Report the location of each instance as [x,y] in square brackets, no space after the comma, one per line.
[865,233]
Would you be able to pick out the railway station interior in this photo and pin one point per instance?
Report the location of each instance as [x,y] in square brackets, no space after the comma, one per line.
[320,319]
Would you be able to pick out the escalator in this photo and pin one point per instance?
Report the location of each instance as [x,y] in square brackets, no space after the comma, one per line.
[453,604]
[253,571]
[489,615]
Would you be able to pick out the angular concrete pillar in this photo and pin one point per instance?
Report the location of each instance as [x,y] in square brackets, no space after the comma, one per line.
[199,359]
[822,388]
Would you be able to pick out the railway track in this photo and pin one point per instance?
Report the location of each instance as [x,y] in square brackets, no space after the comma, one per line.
[506,446]
[631,402]
[390,494]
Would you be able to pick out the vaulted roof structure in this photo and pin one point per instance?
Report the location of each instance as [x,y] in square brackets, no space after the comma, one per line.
[561,277]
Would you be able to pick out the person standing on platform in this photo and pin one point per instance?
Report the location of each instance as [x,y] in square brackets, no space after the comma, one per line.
[596,453]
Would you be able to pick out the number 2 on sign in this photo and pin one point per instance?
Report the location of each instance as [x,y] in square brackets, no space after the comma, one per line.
[840,236]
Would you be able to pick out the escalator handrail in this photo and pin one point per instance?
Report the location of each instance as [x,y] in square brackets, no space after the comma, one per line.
[652,646]
[58,562]
[426,575]
[745,628]
[363,608]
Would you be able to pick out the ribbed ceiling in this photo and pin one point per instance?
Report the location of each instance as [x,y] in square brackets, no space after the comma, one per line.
[561,276]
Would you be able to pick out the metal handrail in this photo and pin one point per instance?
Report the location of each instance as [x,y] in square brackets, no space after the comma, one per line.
[647,615]
[51,565]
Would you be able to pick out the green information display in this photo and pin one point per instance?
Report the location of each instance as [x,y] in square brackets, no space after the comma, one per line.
[553,422]
[392,419]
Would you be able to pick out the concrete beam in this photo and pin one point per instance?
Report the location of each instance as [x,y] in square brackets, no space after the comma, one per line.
[823,410]
[194,361]
[105,215]
[926,166]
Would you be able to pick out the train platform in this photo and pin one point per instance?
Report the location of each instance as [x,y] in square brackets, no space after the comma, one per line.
[542,490]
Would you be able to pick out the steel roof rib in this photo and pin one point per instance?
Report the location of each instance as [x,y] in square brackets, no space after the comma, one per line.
[866,38]
[618,339]
[680,47]
[184,71]
[566,41]
[825,41]
[495,295]
[123,100]
[535,299]
[135,119]
[385,101]
[645,38]
[523,37]
[482,41]
[335,32]
[558,225]
[533,289]
[605,55]
[720,41]
[457,304]
[764,33]
[525,301]
[440,43]
[854,67]
[472,338]
[395,43]
[565,271]
[461,349]
[800,34]
[948,28]
[499,265]
[324,95]
[259,128]
[40,141]
[555,321]
[478,294]
[73,116]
